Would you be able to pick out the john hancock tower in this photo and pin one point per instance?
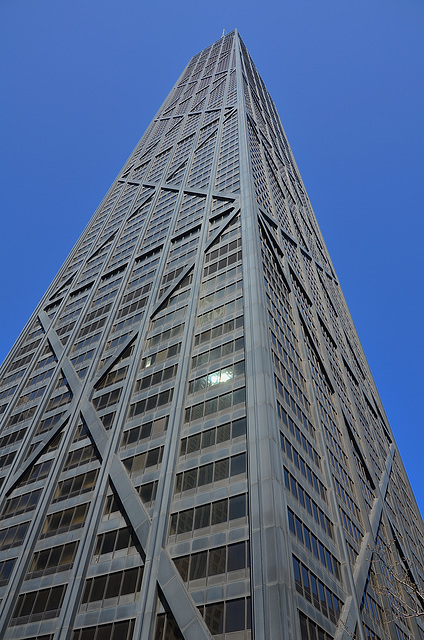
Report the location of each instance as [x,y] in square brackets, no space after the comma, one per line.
[192,445]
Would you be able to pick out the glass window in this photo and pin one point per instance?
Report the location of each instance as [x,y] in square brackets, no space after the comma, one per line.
[129,583]
[113,585]
[238,464]
[219,511]
[214,617]
[185,521]
[217,561]
[198,565]
[205,474]
[237,507]
[236,556]
[235,618]
[202,516]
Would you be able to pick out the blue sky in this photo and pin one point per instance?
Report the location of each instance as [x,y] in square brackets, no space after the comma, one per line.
[82,80]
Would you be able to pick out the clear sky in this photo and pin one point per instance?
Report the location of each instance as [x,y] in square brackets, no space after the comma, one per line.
[80,82]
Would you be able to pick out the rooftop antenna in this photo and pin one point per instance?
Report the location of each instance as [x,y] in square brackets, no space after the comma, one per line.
[223,33]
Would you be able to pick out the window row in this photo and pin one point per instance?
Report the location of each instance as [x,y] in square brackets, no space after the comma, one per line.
[112,542]
[163,375]
[227,617]
[147,492]
[142,264]
[171,275]
[86,342]
[309,630]
[212,472]
[6,460]
[75,303]
[106,296]
[124,324]
[296,432]
[294,407]
[304,468]
[116,588]
[13,536]
[217,377]
[214,562]
[28,347]
[307,503]
[11,438]
[331,440]
[46,361]
[345,497]
[312,543]
[116,342]
[93,326]
[371,635]
[67,328]
[219,312]
[184,257]
[45,375]
[12,377]
[350,527]
[147,430]
[214,297]
[150,403]
[38,605]
[21,416]
[315,591]
[5,570]
[214,282]
[48,423]
[122,630]
[82,358]
[64,521]
[114,376]
[20,504]
[218,331]
[136,293]
[209,515]
[211,437]
[37,472]
[161,356]
[214,405]
[280,327]
[25,360]
[218,352]
[222,264]
[75,486]
[222,250]
[372,608]
[137,465]
[164,335]
[135,306]
[107,399]
[285,394]
[80,456]
[341,470]
[172,316]
[294,380]
[52,560]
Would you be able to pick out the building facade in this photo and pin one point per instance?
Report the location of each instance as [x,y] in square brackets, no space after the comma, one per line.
[191,442]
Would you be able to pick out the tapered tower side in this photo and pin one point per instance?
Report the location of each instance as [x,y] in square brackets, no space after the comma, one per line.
[321,374]
[117,332]
[274,612]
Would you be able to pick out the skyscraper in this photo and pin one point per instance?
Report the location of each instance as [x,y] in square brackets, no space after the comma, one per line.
[191,443]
